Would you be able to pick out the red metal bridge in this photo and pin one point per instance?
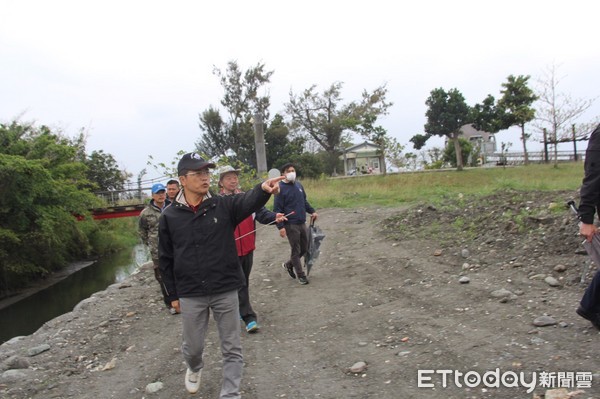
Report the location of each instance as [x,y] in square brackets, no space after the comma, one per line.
[117,211]
[112,212]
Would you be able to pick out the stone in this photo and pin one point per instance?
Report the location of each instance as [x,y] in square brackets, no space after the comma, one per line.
[110,365]
[154,387]
[17,362]
[544,321]
[560,268]
[358,367]
[36,350]
[539,276]
[552,282]
[501,293]
[13,375]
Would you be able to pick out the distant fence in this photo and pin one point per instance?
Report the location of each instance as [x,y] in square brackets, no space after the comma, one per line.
[125,196]
[518,158]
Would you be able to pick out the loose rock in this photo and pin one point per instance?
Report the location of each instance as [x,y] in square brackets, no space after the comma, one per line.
[544,321]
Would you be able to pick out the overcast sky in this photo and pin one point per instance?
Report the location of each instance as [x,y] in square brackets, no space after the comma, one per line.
[136,74]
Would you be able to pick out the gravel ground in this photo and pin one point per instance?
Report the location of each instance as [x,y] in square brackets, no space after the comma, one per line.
[459,285]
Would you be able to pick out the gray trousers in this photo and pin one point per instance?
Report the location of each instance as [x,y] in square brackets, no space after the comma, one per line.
[195,314]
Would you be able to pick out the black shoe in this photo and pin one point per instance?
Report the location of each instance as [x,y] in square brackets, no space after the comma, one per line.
[303,280]
[289,269]
[594,318]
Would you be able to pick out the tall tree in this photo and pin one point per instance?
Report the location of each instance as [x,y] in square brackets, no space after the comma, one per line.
[557,111]
[516,106]
[241,101]
[329,122]
[281,145]
[103,171]
[447,112]
[216,139]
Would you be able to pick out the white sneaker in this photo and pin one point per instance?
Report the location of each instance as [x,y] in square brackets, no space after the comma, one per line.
[192,381]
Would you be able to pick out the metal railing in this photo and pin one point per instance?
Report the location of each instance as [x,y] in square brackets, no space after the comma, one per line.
[518,158]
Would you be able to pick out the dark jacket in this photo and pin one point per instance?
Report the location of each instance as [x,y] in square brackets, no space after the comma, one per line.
[292,198]
[197,251]
[590,188]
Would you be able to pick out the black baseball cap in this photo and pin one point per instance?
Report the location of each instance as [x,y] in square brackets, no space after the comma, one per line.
[192,161]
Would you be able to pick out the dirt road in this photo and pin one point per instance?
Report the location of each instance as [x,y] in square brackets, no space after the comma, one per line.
[398,305]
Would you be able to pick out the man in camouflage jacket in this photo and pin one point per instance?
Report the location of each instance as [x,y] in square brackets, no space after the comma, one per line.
[148,231]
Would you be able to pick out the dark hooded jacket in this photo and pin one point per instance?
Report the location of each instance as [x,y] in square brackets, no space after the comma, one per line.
[590,188]
[197,251]
[292,198]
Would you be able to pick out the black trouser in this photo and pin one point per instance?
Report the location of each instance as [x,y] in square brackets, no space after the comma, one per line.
[246,311]
[158,278]
[591,298]
[297,235]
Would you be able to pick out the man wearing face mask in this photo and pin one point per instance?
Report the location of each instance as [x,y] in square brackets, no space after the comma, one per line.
[292,198]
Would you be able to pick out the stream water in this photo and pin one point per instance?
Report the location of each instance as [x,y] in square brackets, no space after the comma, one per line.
[29,314]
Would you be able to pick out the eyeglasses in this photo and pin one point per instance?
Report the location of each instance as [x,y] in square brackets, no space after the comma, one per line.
[201,173]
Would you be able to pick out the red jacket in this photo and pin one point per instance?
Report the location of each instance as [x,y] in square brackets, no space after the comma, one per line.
[247,243]
[247,229]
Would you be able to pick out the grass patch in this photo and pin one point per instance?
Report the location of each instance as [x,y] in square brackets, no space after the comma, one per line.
[434,186]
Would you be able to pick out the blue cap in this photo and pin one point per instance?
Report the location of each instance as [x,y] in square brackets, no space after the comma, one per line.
[158,187]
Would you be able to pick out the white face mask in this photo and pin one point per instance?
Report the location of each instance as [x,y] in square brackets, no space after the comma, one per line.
[290,176]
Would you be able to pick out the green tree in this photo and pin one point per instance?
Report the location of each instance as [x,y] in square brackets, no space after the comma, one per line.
[13,138]
[44,185]
[281,144]
[308,164]
[447,112]
[324,118]
[450,152]
[487,116]
[216,139]
[104,173]
[515,106]
[241,101]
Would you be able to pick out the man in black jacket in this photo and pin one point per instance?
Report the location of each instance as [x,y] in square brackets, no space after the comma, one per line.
[292,198]
[589,193]
[200,266]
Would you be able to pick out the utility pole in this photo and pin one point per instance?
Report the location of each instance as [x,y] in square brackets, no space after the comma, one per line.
[259,143]
[139,183]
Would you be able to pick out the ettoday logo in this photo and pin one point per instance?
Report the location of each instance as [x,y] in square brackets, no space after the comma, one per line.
[507,379]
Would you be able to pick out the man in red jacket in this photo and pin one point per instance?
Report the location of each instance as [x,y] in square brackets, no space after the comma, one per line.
[245,240]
